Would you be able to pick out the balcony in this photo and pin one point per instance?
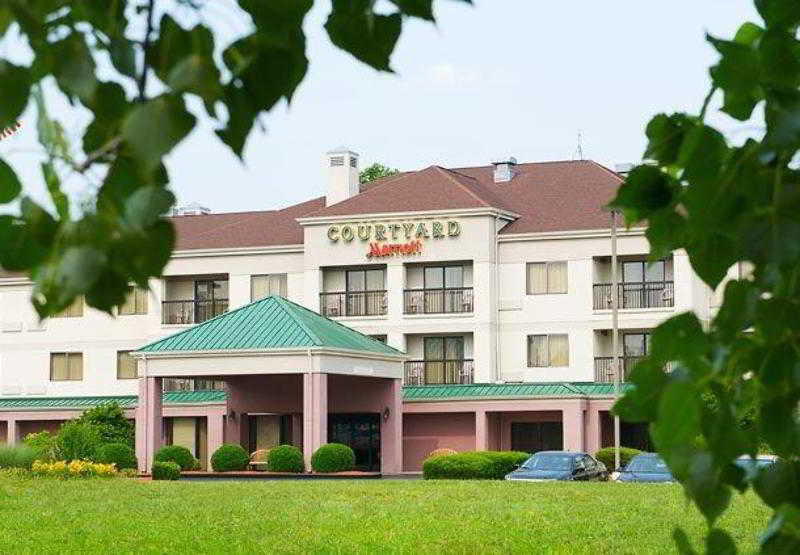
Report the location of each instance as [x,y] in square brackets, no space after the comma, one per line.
[647,294]
[353,303]
[452,300]
[603,372]
[438,372]
[191,311]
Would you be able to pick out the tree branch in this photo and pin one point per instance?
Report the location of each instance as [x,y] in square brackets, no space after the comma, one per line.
[142,83]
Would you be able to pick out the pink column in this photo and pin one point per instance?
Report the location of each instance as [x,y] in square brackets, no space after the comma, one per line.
[148,422]
[216,435]
[572,423]
[392,427]
[481,431]
[12,433]
[315,414]
[593,430]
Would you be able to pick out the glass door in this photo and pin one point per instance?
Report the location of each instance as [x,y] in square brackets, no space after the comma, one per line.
[444,359]
[362,433]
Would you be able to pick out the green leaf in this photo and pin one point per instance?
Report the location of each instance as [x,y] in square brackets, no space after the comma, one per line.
[10,186]
[738,74]
[154,128]
[60,200]
[665,136]
[416,8]
[782,536]
[779,483]
[779,13]
[702,154]
[371,38]
[109,106]
[123,55]
[748,33]
[720,543]
[682,542]
[646,191]
[780,59]
[74,67]
[146,206]
[197,75]
[15,85]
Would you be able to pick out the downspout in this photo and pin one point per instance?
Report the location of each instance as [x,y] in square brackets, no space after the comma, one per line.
[496,300]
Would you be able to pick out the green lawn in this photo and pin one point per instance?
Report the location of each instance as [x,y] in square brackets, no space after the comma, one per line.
[121,515]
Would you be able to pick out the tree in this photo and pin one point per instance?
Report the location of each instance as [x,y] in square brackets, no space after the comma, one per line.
[138,115]
[111,423]
[375,171]
[726,204]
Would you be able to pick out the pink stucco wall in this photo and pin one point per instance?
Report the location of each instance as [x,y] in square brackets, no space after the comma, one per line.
[422,433]
[3,432]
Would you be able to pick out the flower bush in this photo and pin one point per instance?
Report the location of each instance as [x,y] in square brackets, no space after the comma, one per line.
[73,469]
[333,457]
[441,452]
[285,458]
[166,470]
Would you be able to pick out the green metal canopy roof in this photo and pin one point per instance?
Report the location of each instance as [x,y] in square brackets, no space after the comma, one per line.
[125,401]
[270,323]
[509,390]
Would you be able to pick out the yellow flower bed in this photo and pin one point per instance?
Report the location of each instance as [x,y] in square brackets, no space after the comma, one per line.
[73,469]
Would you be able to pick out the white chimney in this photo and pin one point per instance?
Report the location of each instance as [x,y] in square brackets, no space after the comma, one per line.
[342,165]
[504,169]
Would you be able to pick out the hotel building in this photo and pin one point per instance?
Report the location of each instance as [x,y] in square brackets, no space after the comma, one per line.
[494,281]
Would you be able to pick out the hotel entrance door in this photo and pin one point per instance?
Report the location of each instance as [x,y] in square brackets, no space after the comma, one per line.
[362,432]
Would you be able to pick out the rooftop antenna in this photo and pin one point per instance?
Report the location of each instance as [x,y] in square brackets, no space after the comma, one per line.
[579,149]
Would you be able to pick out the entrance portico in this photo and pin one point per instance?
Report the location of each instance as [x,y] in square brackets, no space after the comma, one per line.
[279,359]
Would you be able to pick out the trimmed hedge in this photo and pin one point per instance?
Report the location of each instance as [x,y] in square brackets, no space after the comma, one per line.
[166,470]
[177,454]
[229,457]
[333,457]
[285,458]
[606,456]
[472,465]
[120,454]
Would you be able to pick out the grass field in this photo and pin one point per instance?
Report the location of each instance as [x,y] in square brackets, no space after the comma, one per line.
[121,516]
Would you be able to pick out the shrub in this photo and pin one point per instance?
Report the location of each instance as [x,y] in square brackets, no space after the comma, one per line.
[441,452]
[606,456]
[73,469]
[229,457]
[17,456]
[111,423]
[473,465]
[177,454]
[166,470]
[119,454]
[285,458]
[44,443]
[77,441]
[333,457]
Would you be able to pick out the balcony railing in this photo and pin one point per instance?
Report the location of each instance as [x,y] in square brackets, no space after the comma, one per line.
[603,372]
[436,372]
[191,384]
[192,311]
[353,303]
[648,294]
[438,301]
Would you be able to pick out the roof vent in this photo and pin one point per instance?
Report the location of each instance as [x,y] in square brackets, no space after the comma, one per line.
[504,169]
[191,209]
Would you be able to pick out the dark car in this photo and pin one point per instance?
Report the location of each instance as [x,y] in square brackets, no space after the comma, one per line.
[559,465]
[647,467]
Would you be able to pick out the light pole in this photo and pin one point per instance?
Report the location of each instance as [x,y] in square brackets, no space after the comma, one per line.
[615,365]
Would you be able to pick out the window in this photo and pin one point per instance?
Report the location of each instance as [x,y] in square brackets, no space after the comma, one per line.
[74,310]
[444,277]
[548,350]
[266,285]
[636,344]
[640,271]
[135,302]
[365,280]
[547,278]
[66,367]
[126,366]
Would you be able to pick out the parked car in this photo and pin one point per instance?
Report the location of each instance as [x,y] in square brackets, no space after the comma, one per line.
[646,467]
[752,465]
[559,465]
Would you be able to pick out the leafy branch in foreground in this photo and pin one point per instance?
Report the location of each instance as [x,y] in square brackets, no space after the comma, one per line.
[729,205]
[139,115]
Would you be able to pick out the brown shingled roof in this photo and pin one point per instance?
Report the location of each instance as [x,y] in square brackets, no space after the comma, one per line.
[548,196]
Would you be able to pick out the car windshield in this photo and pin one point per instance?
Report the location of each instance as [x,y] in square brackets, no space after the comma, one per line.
[548,461]
[647,464]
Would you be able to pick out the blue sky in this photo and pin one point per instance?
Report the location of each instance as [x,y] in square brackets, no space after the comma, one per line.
[502,78]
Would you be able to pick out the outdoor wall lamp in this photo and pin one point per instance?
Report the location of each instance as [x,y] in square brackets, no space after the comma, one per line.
[386,414]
